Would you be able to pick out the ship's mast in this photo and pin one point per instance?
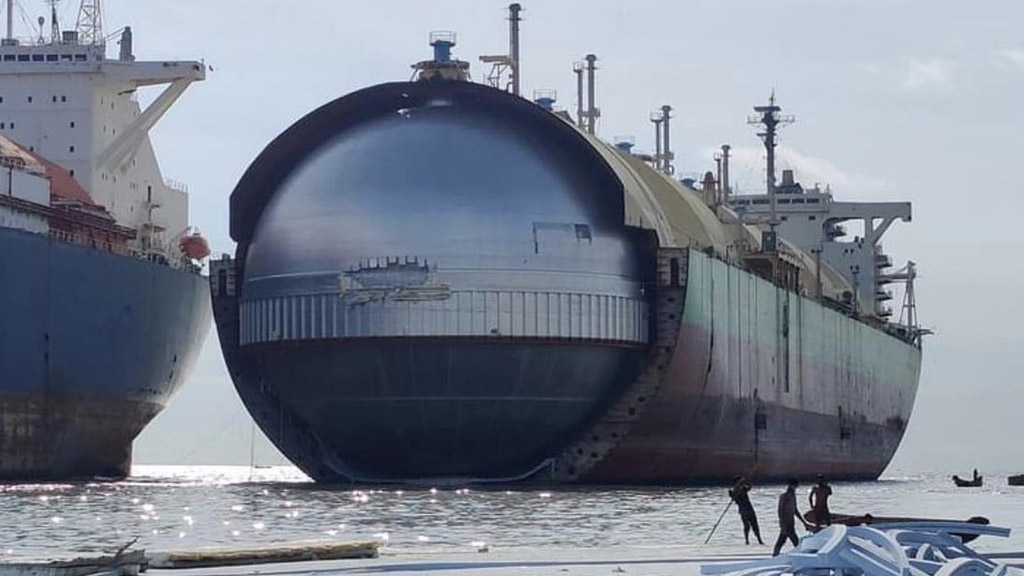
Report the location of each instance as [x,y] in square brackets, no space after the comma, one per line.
[54,24]
[90,23]
[769,117]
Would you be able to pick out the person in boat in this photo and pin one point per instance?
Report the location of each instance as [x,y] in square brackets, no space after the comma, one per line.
[819,503]
[788,514]
[975,478]
[740,494]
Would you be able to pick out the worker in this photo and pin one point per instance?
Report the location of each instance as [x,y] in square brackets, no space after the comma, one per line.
[740,494]
[787,513]
[819,503]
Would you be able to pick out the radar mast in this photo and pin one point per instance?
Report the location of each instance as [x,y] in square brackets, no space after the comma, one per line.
[90,23]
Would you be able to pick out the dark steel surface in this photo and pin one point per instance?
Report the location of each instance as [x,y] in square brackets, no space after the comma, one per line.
[400,409]
[443,287]
[63,439]
[92,346]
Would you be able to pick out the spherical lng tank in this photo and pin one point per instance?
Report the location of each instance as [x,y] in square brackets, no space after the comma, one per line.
[435,282]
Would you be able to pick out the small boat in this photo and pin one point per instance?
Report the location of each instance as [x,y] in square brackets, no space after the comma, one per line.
[868,519]
[961,483]
[1017,480]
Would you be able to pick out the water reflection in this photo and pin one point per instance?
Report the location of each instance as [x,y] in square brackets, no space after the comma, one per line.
[186,507]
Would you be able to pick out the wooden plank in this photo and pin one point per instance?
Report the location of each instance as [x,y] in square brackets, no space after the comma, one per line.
[293,552]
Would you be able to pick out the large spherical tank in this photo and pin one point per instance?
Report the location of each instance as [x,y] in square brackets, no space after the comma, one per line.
[437,282]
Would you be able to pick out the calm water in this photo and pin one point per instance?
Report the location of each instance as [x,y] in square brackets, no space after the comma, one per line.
[169,507]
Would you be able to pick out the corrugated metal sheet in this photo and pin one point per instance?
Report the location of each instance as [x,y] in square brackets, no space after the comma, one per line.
[485,313]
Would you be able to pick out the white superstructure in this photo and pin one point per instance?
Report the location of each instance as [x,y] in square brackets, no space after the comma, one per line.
[65,100]
[812,219]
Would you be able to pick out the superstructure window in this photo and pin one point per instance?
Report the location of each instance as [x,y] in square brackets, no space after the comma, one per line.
[51,57]
[80,58]
[23,58]
[63,98]
[71,149]
[66,57]
[72,123]
[37,58]
[9,57]
[29,99]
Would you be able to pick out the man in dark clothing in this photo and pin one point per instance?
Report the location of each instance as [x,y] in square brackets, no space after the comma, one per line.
[787,513]
[819,502]
[740,494]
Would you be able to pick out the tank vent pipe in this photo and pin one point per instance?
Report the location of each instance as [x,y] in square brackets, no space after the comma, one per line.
[666,134]
[577,69]
[725,171]
[658,159]
[592,111]
[513,41]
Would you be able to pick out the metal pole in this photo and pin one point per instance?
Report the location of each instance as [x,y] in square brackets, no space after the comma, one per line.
[591,108]
[657,143]
[769,143]
[10,19]
[577,69]
[817,269]
[715,527]
[725,171]
[667,149]
[513,34]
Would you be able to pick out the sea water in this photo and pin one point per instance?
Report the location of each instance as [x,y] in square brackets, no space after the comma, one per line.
[180,507]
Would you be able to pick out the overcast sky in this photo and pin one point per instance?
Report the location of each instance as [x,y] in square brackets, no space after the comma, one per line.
[913,100]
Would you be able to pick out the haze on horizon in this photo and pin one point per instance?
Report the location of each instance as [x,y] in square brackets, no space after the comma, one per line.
[913,100]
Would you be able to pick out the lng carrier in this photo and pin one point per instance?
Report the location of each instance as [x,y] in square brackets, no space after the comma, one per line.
[102,305]
[442,281]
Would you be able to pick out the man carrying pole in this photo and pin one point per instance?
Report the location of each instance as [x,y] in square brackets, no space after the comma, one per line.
[740,494]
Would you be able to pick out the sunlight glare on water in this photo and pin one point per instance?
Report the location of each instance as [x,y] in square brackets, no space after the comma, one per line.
[176,507]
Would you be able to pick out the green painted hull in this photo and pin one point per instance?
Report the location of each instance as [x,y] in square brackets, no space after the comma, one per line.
[770,384]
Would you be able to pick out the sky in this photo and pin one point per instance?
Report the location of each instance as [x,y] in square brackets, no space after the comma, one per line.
[919,100]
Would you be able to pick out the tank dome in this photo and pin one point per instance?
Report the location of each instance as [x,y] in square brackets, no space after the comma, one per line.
[437,280]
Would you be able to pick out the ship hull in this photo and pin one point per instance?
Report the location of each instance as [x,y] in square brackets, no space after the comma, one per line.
[768,384]
[726,403]
[373,264]
[92,346]
[387,410]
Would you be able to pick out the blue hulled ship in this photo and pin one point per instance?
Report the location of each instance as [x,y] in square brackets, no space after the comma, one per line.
[103,307]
